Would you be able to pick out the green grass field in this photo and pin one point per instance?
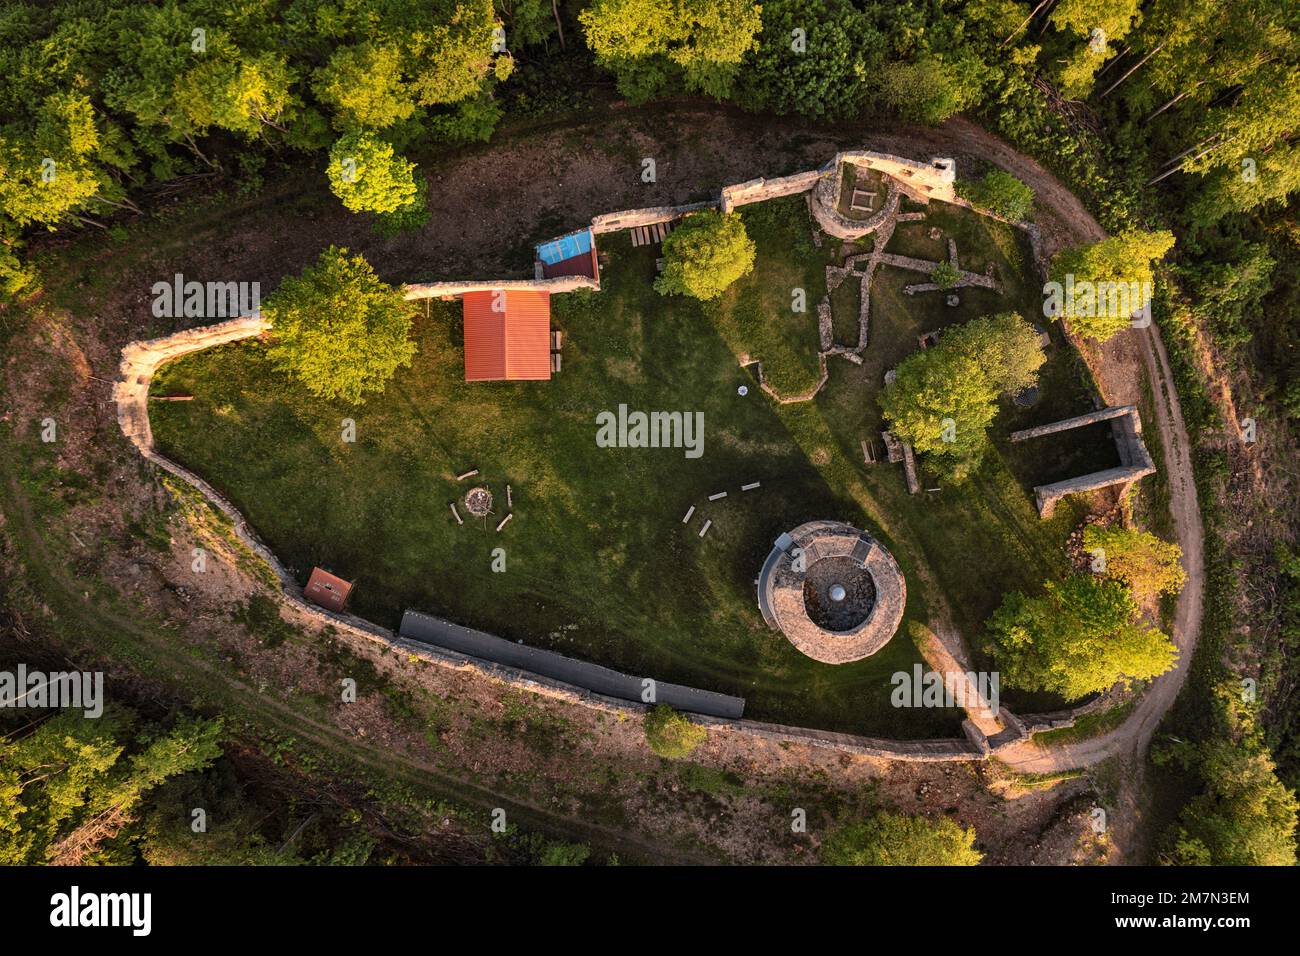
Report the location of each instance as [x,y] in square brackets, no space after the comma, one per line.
[598,562]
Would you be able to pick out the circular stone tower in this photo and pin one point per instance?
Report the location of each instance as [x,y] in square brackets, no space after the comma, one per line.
[833,590]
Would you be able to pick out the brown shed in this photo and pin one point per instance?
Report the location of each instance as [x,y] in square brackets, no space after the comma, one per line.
[327,590]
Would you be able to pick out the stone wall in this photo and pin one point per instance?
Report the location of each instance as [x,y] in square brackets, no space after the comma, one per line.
[921,181]
[630,218]
[822,205]
[1135,460]
[1079,421]
[760,190]
[445,290]
[918,751]
[539,662]
[140,361]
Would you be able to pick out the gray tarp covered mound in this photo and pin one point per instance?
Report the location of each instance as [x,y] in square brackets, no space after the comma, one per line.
[588,676]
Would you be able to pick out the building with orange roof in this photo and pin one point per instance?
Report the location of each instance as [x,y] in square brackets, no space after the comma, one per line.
[507,335]
[327,590]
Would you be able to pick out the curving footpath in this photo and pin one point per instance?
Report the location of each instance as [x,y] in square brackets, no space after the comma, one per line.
[1131,738]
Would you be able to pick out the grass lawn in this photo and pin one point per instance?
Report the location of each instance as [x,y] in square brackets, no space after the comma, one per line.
[598,562]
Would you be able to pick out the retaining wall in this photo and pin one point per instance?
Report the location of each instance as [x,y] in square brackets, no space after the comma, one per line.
[592,677]
[630,218]
[140,360]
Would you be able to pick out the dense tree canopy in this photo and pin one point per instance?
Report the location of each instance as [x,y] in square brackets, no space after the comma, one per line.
[926,91]
[828,70]
[944,398]
[1080,637]
[99,91]
[1245,816]
[71,788]
[658,46]
[338,329]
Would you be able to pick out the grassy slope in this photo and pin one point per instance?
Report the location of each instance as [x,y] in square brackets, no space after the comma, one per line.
[599,564]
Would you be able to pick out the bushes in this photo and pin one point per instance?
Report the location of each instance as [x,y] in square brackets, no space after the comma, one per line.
[1000,193]
[671,734]
[945,275]
[889,839]
[1080,637]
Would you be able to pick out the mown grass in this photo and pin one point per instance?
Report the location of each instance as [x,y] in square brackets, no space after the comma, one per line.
[598,562]
[771,314]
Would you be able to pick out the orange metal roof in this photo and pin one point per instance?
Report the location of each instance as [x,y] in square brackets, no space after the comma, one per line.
[507,335]
[327,590]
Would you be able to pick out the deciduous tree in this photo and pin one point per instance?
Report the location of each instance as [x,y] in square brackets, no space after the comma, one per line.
[338,329]
[1080,637]
[653,45]
[943,398]
[890,839]
[368,176]
[1104,275]
[1000,193]
[1148,565]
[705,255]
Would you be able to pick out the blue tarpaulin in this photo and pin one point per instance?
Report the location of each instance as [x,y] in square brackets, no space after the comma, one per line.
[565,247]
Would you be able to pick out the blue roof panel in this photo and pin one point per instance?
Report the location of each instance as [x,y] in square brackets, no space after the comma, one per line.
[566,247]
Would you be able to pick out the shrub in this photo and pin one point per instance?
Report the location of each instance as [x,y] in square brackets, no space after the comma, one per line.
[671,734]
[1000,193]
[889,839]
[945,275]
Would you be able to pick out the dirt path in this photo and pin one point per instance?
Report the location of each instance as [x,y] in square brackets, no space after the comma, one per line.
[1132,737]
[1066,221]
[1073,223]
